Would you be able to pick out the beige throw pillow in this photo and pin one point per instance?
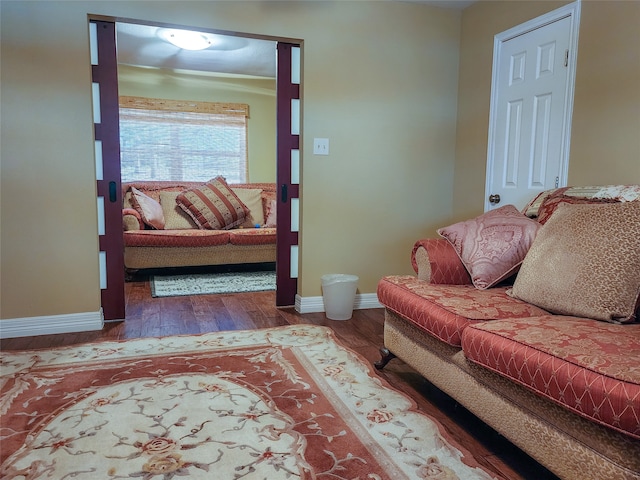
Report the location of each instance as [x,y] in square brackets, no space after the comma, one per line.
[174,217]
[585,262]
[252,198]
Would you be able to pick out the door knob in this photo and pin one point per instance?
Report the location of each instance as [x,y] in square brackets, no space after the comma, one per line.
[494,198]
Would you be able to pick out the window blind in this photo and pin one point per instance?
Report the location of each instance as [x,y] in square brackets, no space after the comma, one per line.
[182,141]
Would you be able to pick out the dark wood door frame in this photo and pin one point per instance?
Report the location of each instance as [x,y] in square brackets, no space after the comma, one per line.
[107,130]
[286,90]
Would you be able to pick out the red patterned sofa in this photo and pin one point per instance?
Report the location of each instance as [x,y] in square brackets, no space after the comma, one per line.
[550,357]
[171,238]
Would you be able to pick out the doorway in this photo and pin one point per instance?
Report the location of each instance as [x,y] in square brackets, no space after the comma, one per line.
[531,107]
[112,263]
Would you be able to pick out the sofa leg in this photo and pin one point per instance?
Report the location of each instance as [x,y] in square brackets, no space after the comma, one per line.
[130,274]
[386,357]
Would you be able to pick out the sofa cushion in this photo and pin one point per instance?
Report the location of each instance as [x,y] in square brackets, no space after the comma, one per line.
[585,262]
[213,205]
[446,310]
[252,198]
[493,245]
[150,210]
[176,238]
[174,217]
[252,236]
[587,366]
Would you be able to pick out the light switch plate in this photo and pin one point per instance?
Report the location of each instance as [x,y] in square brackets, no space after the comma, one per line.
[321,146]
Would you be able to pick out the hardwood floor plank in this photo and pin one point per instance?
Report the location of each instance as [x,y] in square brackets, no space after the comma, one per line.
[363,333]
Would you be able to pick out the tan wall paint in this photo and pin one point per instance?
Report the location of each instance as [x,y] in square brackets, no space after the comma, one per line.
[258,93]
[380,80]
[605,145]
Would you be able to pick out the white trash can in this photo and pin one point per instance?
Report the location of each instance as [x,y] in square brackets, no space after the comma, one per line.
[338,295]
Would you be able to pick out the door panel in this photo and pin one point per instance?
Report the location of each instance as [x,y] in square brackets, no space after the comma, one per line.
[107,148]
[530,108]
[288,171]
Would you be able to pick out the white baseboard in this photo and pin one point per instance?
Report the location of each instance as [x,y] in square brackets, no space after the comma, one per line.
[51,324]
[316,304]
[90,321]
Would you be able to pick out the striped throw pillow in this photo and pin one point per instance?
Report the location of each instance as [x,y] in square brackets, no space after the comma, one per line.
[213,206]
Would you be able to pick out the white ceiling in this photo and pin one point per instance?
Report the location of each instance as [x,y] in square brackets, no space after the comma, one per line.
[144,45]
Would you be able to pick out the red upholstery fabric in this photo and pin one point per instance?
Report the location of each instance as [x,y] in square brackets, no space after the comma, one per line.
[175,238]
[252,236]
[446,266]
[587,366]
[446,310]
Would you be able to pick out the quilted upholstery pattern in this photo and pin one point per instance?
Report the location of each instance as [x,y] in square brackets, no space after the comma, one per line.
[442,264]
[446,310]
[175,238]
[252,236]
[590,367]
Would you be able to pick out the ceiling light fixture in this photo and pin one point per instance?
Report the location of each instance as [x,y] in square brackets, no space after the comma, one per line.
[187,39]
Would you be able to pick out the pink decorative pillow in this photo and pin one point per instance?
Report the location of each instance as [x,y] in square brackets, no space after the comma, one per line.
[271,218]
[148,208]
[493,245]
[174,217]
[213,206]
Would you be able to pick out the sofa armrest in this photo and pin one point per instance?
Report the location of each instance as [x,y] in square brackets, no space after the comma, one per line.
[131,220]
[436,261]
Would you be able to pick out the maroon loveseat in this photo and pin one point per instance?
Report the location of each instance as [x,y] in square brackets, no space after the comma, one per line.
[180,243]
[563,387]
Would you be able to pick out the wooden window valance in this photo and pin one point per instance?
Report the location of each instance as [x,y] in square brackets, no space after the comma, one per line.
[142,103]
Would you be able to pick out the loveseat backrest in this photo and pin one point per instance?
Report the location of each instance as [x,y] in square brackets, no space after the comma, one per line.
[601,193]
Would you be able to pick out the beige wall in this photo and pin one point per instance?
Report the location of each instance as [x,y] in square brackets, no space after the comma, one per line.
[258,92]
[381,84]
[380,81]
[605,144]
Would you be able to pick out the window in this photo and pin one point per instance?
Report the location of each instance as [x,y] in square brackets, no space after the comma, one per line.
[182,140]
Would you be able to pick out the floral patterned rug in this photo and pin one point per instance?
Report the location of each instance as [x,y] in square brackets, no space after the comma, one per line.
[279,403]
[209,283]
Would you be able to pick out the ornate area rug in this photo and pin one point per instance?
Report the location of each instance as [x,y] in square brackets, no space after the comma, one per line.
[206,283]
[280,403]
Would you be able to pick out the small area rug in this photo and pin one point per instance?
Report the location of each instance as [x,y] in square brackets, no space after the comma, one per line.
[278,403]
[208,283]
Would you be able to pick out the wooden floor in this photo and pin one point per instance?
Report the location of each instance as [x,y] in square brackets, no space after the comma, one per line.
[147,316]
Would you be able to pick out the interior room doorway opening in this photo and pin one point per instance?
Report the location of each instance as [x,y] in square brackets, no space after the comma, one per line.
[107,156]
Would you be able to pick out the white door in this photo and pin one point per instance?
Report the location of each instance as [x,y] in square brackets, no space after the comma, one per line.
[532,99]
